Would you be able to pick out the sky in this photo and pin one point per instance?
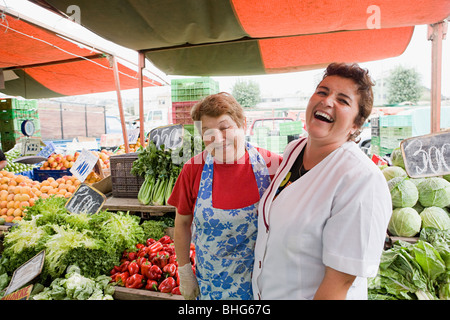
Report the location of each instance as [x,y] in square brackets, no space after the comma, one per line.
[417,56]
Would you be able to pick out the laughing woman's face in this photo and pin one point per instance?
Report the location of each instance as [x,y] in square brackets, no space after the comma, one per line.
[332,110]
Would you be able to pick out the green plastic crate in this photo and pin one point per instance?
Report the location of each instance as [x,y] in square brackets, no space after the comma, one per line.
[396,121]
[193,89]
[291,127]
[12,103]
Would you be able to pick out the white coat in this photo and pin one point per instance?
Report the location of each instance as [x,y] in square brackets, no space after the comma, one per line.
[335,215]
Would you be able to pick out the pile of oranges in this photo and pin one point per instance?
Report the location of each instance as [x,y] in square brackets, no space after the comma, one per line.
[18,192]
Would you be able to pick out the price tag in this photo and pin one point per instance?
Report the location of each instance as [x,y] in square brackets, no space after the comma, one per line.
[26,272]
[428,155]
[170,136]
[84,164]
[133,135]
[48,150]
[85,199]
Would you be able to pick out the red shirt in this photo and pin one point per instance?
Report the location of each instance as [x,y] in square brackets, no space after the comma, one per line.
[234,185]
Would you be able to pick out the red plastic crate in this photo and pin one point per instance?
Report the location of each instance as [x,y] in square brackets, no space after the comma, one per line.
[181,112]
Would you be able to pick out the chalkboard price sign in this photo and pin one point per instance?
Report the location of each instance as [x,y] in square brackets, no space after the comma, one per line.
[428,155]
[170,136]
[85,199]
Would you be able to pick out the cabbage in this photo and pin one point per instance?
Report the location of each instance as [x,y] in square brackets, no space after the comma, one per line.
[403,192]
[435,217]
[416,181]
[397,158]
[434,192]
[446,177]
[405,222]
[392,172]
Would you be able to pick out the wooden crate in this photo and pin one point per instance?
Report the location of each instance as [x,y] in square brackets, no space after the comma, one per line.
[122,293]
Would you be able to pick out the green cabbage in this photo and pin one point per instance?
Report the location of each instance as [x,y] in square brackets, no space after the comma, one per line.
[405,222]
[435,217]
[397,158]
[434,192]
[392,172]
[403,192]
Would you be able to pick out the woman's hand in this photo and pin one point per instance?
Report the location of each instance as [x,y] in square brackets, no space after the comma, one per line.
[334,286]
[188,282]
[182,239]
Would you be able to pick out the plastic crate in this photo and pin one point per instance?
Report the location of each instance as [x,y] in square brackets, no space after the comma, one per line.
[181,112]
[11,103]
[396,121]
[291,127]
[41,175]
[8,144]
[124,184]
[192,89]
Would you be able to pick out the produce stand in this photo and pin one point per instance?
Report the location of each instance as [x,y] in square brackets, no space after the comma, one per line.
[122,293]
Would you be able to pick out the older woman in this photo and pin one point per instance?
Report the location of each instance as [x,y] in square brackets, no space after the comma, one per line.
[218,191]
[322,221]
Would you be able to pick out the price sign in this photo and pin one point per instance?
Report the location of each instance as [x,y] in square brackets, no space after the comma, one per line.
[133,135]
[428,155]
[85,199]
[170,136]
[84,164]
[26,272]
[48,150]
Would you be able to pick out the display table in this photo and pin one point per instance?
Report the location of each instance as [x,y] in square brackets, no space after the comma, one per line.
[133,205]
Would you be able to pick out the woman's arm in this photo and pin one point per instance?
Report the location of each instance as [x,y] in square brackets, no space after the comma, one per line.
[334,286]
[182,237]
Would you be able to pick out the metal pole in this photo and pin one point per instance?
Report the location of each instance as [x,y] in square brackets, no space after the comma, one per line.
[86,120]
[436,32]
[119,100]
[61,120]
[141,66]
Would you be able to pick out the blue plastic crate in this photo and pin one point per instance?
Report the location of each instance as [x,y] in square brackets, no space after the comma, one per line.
[41,175]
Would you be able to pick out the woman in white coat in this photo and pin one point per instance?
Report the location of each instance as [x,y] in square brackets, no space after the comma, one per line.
[322,221]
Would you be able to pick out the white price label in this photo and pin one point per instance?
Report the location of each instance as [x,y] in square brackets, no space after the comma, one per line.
[84,165]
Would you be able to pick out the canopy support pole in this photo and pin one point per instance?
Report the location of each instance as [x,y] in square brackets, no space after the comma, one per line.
[141,66]
[436,33]
[119,100]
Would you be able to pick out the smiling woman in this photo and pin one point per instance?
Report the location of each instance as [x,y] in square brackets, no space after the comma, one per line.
[218,193]
[322,221]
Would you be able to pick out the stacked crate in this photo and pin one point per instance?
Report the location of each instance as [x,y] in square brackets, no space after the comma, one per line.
[13,113]
[187,92]
[391,131]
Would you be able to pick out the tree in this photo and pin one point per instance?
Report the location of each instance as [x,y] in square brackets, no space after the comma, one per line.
[247,93]
[404,85]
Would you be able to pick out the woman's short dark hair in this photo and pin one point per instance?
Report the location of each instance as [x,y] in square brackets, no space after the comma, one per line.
[364,82]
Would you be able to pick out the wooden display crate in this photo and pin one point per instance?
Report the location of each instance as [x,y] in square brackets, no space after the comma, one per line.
[122,293]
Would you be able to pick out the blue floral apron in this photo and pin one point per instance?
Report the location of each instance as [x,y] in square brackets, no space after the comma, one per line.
[225,239]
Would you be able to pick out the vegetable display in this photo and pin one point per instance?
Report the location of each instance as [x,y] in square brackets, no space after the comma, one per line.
[153,267]
[160,172]
[74,286]
[94,243]
[417,202]
[419,271]
[161,167]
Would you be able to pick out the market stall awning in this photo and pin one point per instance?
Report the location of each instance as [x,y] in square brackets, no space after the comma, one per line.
[237,37]
[37,63]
